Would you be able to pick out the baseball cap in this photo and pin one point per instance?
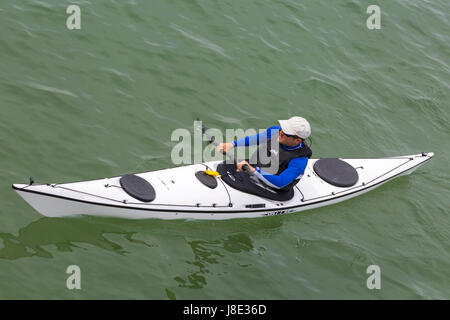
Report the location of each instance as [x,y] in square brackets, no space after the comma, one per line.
[296,126]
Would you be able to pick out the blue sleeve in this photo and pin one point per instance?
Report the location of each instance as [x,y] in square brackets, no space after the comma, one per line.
[257,138]
[295,169]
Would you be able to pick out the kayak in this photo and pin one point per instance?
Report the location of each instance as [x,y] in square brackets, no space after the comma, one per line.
[187,192]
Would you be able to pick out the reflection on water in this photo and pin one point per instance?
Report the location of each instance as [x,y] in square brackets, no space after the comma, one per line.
[68,233]
[210,252]
[64,234]
[211,242]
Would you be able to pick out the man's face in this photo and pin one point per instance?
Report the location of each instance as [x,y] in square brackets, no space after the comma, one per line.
[287,140]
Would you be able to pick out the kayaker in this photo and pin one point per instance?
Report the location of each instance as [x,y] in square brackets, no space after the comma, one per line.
[291,155]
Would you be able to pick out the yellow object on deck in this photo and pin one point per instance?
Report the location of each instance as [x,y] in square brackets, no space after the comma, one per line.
[211,173]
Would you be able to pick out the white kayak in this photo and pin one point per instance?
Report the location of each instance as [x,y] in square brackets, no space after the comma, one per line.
[179,194]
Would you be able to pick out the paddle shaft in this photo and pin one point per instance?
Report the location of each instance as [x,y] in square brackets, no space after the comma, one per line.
[245,167]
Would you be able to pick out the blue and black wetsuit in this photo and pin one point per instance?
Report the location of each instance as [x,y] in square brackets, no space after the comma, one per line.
[292,160]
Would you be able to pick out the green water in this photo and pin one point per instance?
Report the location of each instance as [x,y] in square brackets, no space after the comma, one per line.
[104,100]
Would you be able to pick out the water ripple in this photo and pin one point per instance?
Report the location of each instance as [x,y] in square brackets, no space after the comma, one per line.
[50,89]
[205,43]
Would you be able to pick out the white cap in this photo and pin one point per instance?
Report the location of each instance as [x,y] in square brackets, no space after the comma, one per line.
[296,126]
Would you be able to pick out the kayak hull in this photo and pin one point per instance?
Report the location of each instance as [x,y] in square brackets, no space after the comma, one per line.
[181,196]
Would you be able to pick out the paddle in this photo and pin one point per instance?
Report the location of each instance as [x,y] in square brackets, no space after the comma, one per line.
[245,167]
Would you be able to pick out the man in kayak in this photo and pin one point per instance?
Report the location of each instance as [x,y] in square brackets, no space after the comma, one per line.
[286,151]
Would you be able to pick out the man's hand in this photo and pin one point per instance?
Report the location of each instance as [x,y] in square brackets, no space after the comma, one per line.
[224,147]
[241,164]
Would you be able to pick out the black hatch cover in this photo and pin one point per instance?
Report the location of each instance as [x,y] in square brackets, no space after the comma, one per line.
[206,179]
[137,187]
[336,172]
